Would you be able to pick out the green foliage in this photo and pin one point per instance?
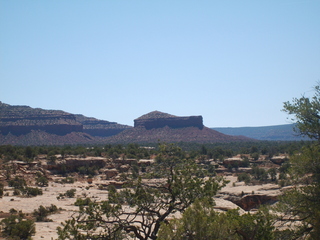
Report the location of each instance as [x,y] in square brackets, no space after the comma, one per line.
[299,207]
[42,181]
[15,227]
[244,177]
[42,212]
[150,203]
[20,187]
[17,183]
[303,201]
[306,114]
[29,152]
[66,180]
[69,194]
[273,174]
[200,221]
[82,202]
[32,192]
[259,173]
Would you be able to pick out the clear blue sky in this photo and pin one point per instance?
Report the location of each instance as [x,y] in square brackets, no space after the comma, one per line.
[233,62]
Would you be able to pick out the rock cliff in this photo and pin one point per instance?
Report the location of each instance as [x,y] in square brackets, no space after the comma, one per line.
[158,119]
[20,120]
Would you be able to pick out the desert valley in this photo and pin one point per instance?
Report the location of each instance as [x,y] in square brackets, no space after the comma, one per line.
[61,172]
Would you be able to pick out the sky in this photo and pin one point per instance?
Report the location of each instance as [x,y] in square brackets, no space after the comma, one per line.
[233,62]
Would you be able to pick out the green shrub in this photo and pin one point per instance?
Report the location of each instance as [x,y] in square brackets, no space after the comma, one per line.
[70,193]
[16,192]
[244,177]
[42,181]
[42,212]
[17,183]
[82,202]
[68,180]
[15,227]
[30,191]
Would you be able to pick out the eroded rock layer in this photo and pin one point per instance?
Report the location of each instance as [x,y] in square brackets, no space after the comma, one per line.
[20,120]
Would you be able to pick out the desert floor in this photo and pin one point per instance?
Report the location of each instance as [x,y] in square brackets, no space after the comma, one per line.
[47,230]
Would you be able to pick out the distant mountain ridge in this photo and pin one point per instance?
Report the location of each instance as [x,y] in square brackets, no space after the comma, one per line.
[283,132]
[23,125]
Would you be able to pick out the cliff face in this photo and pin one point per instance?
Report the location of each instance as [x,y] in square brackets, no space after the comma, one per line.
[19,120]
[157,119]
[100,128]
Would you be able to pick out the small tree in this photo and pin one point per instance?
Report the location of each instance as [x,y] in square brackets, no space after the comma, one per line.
[306,113]
[42,181]
[301,204]
[141,207]
[15,227]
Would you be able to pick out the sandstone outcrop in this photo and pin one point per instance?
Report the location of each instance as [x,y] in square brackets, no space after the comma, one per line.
[72,164]
[158,119]
[252,201]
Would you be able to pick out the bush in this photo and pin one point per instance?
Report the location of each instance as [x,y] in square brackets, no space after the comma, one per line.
[82,202]
[244,177]
[30,191]
[70,193]
[17,183]
[16,192]
[42,181]
[16,227]
[42,212]
[68,180]
[260,174]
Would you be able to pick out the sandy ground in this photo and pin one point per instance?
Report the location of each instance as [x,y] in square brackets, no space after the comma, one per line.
[47,230]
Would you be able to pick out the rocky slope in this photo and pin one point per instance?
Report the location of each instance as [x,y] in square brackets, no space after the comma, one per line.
[101,128]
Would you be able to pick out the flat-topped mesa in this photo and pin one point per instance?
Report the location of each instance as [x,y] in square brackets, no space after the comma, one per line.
[19,120]
[158,119]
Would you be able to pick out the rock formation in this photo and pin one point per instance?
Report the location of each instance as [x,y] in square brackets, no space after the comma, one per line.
[157,126]
[158,119]
[20,120]
[249,202]
[23,125]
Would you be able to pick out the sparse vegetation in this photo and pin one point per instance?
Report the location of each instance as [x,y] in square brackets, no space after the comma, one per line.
[16,227]
[42,213]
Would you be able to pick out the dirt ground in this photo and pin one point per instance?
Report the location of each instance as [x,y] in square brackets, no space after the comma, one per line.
[47,230]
